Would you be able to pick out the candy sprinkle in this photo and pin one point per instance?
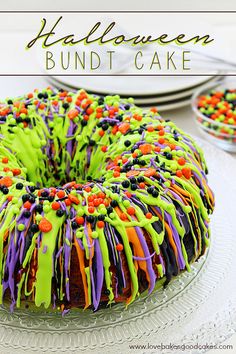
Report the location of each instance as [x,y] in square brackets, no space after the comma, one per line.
[219,108]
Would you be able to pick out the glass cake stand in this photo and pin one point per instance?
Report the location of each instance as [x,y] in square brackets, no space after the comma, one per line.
[196,307]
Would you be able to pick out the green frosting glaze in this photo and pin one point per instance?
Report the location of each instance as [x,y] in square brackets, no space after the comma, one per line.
[45,262]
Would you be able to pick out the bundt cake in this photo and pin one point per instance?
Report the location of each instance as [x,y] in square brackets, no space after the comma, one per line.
[99,201]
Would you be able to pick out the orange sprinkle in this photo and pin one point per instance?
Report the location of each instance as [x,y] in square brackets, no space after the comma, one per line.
[101,195]
[16,171]
[114,130]
[91,209]
[91,198]
[27,205]
[63,94]
[124,127]
[24,110]
[55,205]
[137,117]
[96,202]
[100,224]
[153,109]
[73,199]
[128,194]
[119,247]
[116,174]
[16,104]
[5,160]
[186,172]
[161,132]
[104,148]
[41,106]
[89,110]
[79,220]
[105,202]
[123,216]
[150,172]
[157,149]
[61,194]
[73,114]
[45,225]
[150,128]
[131,210]
[132,173]
[179,173]
[67,202]
[161,141]
[181,161]
[6,181]
[145,149]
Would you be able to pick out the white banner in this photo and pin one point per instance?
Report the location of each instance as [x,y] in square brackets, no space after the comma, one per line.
[123,44]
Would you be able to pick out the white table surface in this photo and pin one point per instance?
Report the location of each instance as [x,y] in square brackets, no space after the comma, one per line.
[10,87]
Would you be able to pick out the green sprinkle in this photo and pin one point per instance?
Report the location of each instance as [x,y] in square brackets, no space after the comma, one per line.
[94,234]
[21,227]
[126,203]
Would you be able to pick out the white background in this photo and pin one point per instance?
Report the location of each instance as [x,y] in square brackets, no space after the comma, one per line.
[117,5]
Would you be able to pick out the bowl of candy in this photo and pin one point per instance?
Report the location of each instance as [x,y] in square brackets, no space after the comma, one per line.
[215,113]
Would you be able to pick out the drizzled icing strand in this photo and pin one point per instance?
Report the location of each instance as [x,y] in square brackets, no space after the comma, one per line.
[99,200]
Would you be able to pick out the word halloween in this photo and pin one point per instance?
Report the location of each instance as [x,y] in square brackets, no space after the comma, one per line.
[49,37]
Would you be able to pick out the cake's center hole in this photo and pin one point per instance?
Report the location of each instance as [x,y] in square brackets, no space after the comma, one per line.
[60,170]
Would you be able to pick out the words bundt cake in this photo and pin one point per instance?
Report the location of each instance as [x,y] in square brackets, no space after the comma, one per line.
[99,200]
